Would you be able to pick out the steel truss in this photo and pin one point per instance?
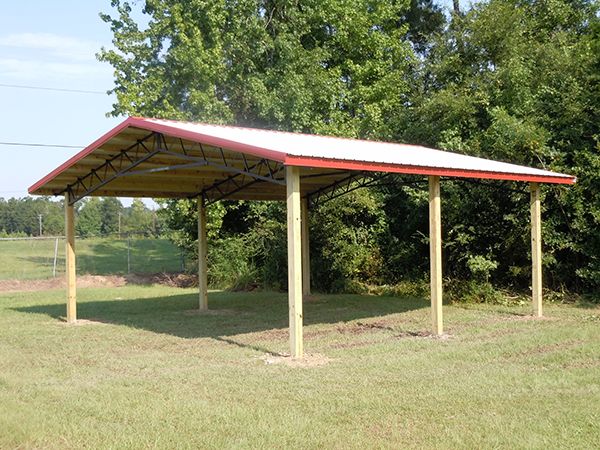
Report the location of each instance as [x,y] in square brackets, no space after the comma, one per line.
[123,164]
[354,181]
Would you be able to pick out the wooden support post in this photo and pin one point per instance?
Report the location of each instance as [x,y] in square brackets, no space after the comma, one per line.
[435,254]
[70,271]
[305,249]
[536,249]
[202,253]
[294,231]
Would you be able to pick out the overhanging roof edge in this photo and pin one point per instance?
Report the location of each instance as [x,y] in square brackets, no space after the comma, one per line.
[305,161]
[250,141]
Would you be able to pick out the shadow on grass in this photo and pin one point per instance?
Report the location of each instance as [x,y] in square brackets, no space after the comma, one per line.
[230,314]
[109,257]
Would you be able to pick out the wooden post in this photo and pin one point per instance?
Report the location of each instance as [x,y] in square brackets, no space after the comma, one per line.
[202,252]
[70,261]
[292,176]
[435,254]
[305,249]
[536,249]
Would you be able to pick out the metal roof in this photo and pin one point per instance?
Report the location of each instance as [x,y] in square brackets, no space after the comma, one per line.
[166,158]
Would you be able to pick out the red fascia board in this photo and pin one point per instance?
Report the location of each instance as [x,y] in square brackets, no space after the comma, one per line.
[173,131]
[419,170]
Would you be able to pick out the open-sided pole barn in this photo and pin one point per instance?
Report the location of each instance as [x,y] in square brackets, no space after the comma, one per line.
[169,159]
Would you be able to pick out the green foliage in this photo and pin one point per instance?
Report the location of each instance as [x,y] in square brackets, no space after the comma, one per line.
[511,80]
[89,217]
[20,216]
[319,66]
[345,246]
[111,209]
[517,81]
[139,219]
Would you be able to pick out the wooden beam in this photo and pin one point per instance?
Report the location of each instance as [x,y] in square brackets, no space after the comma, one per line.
[70,261]
[305,249]
[292,176]
[536,249]
[435,254]
[202,253]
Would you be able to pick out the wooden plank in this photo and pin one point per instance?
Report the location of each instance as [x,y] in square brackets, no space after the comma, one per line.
[70,262]
[294,231]
[536,249]
[305,249]
[435,254]
[202,254]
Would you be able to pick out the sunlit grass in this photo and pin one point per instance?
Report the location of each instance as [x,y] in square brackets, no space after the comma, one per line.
[145,372]
[34,259]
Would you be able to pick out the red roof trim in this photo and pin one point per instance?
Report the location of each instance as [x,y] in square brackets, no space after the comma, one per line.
[419,170]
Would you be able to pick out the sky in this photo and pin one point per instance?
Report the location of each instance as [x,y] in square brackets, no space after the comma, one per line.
[51,44]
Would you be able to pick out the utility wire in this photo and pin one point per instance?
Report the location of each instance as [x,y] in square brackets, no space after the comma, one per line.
[25,144]
[45,88]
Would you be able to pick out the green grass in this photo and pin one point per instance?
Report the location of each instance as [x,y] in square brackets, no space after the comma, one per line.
[151,375]
[33,259]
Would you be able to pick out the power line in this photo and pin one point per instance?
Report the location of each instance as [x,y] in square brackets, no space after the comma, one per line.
[25,144]
[45,88]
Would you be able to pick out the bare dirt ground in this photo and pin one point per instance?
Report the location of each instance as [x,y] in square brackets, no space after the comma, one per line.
[308,360]
[85,281]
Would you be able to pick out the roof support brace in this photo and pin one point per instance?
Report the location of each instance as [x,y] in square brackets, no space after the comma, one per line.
[356,181]
[262,171]
[110,170]
[70,272]
[123,163]
[536,249]
[435,255]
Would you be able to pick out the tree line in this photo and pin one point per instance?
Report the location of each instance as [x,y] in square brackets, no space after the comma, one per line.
[511,80]
[95,216]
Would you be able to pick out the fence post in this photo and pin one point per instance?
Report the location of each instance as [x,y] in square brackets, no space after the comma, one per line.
[55,257]
[128,253]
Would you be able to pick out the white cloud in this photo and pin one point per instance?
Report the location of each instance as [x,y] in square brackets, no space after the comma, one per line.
[64,47]
[27,69]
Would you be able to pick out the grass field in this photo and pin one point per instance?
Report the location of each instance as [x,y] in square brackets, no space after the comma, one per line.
[145,372]
[33,259]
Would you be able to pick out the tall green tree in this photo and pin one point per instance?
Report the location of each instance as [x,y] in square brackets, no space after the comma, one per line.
[111,209]
[89,217]
[515,80]
[316,66]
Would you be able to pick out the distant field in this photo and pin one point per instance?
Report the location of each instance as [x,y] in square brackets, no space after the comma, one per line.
[145,372]
[33,259]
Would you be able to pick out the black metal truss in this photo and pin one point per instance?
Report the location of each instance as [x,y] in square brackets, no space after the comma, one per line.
[238,181]
[111,169]
[123,165]
[351,182]
[357,180]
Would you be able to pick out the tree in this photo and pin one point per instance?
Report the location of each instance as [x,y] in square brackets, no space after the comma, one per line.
[511,80]
[111,210]
[514,80]
[89,218]
[139,219]
[315,66]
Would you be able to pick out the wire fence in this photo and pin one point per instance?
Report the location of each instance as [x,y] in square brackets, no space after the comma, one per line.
[42,258]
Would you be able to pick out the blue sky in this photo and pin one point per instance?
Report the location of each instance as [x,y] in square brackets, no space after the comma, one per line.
[51,43]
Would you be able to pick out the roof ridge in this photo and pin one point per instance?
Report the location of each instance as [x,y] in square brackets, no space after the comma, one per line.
[267,130]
